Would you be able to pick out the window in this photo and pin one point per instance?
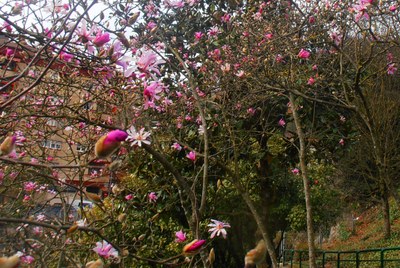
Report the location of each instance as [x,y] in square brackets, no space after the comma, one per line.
[8,88]
[53,100]
[80,148]
[53,123]
[55,76]
[8,65]
[52,144]
[87,105]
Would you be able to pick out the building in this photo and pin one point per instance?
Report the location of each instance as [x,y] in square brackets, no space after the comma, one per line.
[53,116]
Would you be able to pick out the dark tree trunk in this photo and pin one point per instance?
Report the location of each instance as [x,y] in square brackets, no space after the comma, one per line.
[386,214]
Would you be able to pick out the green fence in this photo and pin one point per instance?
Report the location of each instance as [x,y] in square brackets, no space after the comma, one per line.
[368,258]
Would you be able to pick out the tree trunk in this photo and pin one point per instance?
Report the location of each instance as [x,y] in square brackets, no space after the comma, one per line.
[261,226]
[386,214]
[307,195]
[257,216]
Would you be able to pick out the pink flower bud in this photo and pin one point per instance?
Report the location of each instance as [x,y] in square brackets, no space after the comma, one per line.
[193,246]
[191,155]
[304,54]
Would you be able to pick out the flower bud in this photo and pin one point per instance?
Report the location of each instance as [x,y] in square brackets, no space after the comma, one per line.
[133,18]
[122,217]
[193,247]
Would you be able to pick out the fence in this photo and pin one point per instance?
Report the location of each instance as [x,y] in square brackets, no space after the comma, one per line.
[368,258]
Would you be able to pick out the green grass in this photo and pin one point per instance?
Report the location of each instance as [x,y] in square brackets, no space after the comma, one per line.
[368,232]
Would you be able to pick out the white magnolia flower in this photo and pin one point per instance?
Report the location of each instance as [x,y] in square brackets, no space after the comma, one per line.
[138,137]
[81,223]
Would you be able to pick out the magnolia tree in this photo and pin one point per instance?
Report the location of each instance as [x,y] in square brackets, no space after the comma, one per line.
[204,110]
[81,74]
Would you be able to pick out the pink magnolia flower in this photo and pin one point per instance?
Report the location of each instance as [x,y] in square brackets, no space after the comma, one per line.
[151,25]
[269,36]
[37,230]
[6,26]
[151,9]
[176,3]
[48,32]
[279,58]
[152,90]
[101,39]
[226,67]
[226,18]
[9,52]
[84,34]
[295,171]
[42,187]
[217,228]
[251,111]
[191,155]
[176,146]
[40,217]
[30,186]
[216,53]
[20,138]
[180,236]
[105,250]
[26,198]
[59,8]
[361,10]
[149,104]
[281,122]
[31,73]
[336,38]
[311,81]
[193,246]
[198,35]
[304,54]
[389,57]
[129,197]
[198,120]
[341,142]
[391,69]
[152,197]
[27,259]
[393,8]
[148,61]
[315,67]
[213,31]
[257,16]
[66,56]
[55,174]
[240,73]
